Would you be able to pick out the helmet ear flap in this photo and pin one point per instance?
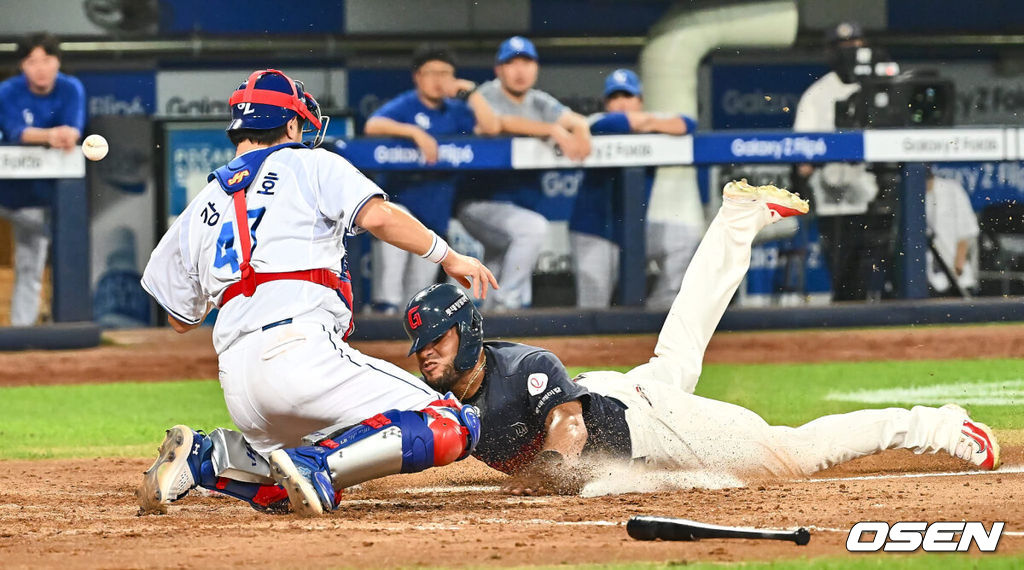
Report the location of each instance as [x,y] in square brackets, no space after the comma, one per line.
[471,340]
[314,110]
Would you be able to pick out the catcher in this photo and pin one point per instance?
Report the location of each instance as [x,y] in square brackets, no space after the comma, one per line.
[543,428]
[264,242]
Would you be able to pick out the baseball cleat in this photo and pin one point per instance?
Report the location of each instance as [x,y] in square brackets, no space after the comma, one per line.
[306,479]
[170,477]
[977,443]
[781,202]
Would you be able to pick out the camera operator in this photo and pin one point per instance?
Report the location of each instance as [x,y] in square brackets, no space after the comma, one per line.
[855,227]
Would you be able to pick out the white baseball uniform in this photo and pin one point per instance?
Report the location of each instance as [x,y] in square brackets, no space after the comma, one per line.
[398,274]
[284,367]
[839,188]
[951,219]
[672,428]
[31,244]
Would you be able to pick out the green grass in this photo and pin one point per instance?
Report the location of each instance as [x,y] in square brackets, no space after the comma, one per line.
[792,394]
[104,420]
[128,419]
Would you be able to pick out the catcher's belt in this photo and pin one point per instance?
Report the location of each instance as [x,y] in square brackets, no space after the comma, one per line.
[246,286]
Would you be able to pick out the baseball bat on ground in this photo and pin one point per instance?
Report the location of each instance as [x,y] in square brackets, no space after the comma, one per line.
[652,528]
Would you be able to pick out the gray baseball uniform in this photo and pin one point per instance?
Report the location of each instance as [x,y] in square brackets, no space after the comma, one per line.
[512,235]
[537,105]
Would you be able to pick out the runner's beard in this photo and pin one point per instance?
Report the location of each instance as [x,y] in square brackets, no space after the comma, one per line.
[446,381]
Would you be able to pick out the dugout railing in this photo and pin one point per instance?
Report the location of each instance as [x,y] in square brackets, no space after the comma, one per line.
[910,149]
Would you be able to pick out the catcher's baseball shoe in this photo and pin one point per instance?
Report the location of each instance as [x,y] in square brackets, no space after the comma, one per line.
[781,202]
[304,474]
[977,443]
[172,475]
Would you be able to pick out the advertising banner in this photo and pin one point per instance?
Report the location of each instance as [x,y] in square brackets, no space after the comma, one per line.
[759,96]
[204,93]
[119,93]
[192,151]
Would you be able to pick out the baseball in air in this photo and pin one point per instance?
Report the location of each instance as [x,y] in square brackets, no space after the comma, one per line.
[94,147]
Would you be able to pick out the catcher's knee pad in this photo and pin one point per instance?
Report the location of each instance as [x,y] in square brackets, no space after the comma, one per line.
[456,430]
[398,442]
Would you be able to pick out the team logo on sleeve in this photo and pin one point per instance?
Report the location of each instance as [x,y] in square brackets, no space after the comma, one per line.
[414,317]
[238,177]
[520,429]
[536,383]
[422,120]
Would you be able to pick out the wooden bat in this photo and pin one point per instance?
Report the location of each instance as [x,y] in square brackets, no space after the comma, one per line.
[664,528]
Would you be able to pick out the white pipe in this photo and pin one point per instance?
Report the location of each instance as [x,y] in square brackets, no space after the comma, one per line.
[670,63]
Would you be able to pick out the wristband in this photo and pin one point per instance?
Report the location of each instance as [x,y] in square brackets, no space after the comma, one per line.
[438,250]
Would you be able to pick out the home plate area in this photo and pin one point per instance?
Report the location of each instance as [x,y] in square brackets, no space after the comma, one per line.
[81,514]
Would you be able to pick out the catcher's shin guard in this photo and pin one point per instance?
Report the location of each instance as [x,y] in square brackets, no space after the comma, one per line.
[388,443]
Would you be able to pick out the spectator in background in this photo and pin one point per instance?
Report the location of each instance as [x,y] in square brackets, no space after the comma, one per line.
[506,211]
[595,229]
[953,230]
[440,105]
[42,106]
[853,234]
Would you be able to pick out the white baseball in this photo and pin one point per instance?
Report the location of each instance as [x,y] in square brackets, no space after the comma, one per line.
[94,147]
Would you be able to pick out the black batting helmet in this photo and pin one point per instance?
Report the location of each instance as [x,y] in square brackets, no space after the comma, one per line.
[434,310]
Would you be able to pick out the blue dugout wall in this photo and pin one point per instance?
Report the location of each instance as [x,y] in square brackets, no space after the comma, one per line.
[951,148]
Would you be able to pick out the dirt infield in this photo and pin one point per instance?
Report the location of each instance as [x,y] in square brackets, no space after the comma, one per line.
[81,513]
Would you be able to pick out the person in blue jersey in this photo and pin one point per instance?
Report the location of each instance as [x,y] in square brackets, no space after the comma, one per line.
[595,229]
[508,212]
[41,106]
[439,105]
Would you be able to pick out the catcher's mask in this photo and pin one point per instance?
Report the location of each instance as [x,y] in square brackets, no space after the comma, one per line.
[434,310]
[269,99]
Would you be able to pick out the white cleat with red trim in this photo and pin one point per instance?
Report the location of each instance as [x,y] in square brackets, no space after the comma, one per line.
[977,443]
[781,202]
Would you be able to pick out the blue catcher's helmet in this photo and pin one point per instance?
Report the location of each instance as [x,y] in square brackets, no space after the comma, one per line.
[269,99]
[434,310]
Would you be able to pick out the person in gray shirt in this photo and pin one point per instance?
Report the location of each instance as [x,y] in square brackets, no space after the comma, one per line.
[509,212]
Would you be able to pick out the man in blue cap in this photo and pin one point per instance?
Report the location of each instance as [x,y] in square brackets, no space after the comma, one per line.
[595,229]
[509,212]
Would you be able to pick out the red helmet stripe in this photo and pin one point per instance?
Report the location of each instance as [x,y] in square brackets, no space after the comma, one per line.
[267,97]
